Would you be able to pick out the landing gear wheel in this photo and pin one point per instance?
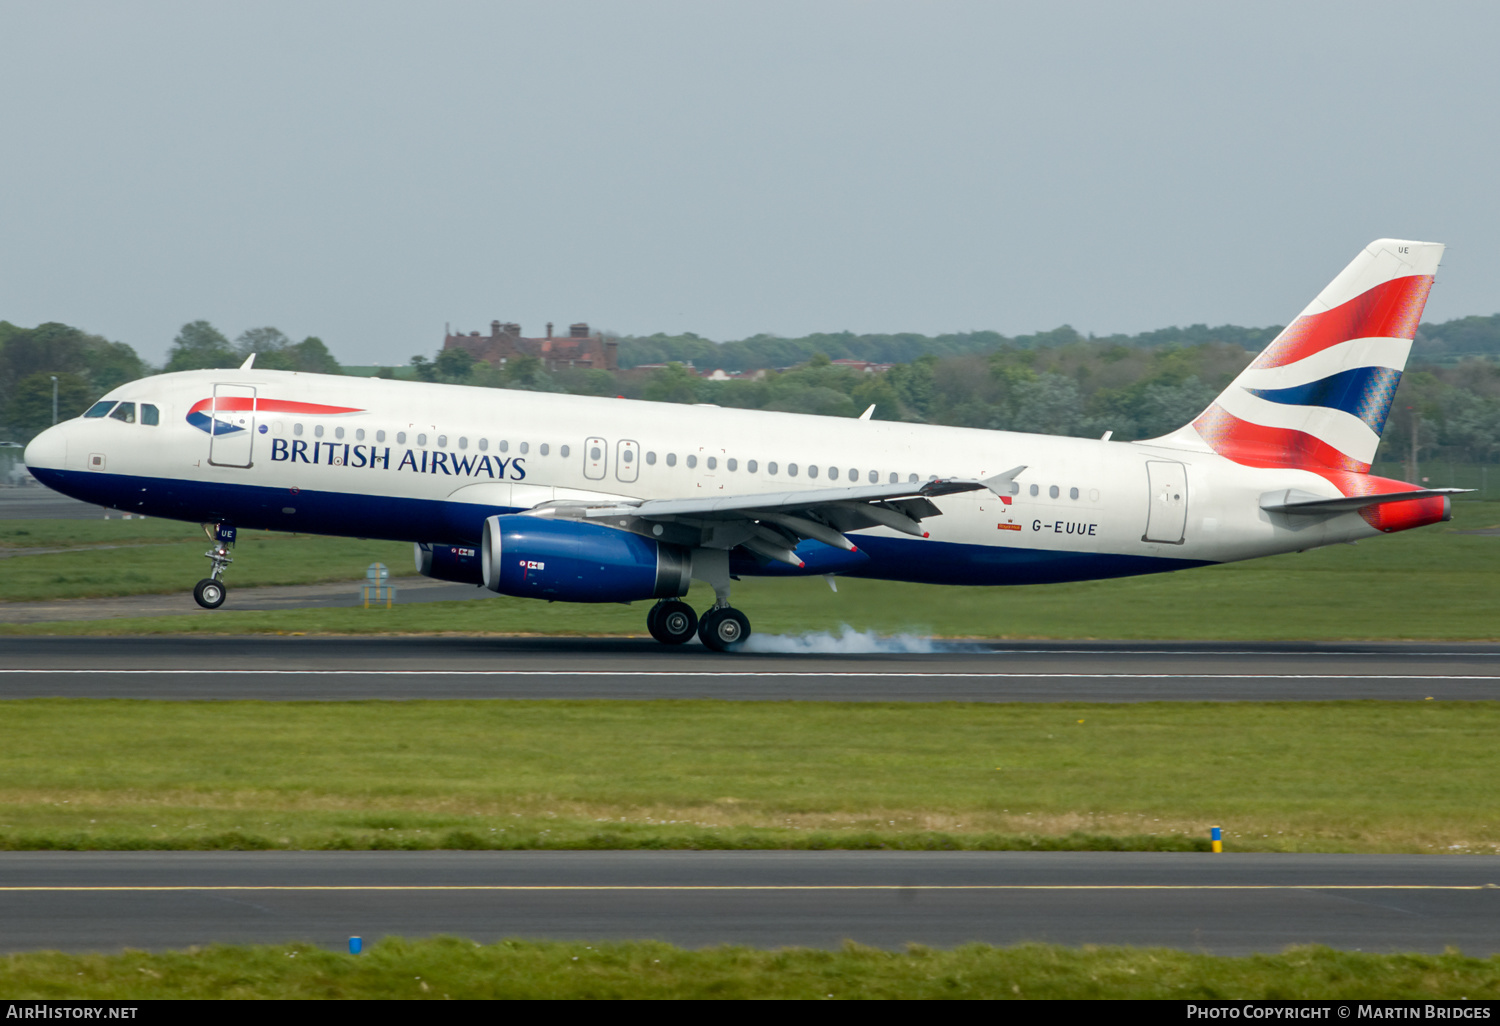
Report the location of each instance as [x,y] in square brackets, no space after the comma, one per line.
[723,627]
[209,593]
[672,623]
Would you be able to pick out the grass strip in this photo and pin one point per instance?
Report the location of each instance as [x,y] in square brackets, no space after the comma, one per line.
[150,563]
[1343,592]
[449,967]
[1350,777]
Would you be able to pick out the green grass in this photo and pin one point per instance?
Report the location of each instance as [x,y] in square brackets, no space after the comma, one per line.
[1425,584]
[53,534]
[166,556]
[1367,776]
[449,967]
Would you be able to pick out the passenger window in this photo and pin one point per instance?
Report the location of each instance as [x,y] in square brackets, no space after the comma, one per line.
[544,449]
[124,412]
[1053,492]
[338,433]
[1072,493]
[504,446]
[875,477]
[442,441]
[359,434]
[854,474]
[421,439]
[400,436]
[912,479]
[771,469]
[651,459]
[1035,491]
[318,430]
[1015,488]
[713,463]
[751,466]
[692,461]
[671,459]
[463,443]
[791,470]
[895,477]
[380,436]
[100,408]
[733,464]
[563,452]
[525,448]
[297,429]
[628,456]
[812,471]
[484,444]
[149,415]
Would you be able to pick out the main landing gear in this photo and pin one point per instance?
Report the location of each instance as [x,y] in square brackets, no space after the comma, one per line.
[721,628]
[673,623]
[209,592]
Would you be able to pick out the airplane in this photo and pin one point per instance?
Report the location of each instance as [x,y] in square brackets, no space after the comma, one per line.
[586,499]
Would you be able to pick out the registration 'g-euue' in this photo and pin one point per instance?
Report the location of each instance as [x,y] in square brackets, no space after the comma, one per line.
[583,499]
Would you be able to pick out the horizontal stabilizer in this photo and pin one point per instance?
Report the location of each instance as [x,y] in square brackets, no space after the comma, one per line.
[1291,500]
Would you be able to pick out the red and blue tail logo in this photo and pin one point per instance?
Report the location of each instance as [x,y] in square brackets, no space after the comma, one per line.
[1317,399]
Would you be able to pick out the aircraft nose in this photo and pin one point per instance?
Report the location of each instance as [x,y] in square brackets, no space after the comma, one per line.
[48,450]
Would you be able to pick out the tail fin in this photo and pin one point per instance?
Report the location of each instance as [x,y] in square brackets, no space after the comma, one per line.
[1318,397]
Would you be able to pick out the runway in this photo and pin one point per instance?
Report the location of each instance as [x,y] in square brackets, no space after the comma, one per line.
[1225,904]
[401,668]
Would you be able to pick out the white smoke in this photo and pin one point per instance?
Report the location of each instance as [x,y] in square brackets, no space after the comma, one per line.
[848,642]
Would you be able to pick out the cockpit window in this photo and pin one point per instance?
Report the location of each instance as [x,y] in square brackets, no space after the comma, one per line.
[125,412]
[149,415]
[100,408]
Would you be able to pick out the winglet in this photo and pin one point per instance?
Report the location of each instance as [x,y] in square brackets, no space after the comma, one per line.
[249,362]
[994,483]
[866,414]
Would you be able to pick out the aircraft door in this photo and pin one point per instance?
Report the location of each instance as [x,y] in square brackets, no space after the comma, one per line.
[627,459]
[595,458]
[231,425]
[1166,517]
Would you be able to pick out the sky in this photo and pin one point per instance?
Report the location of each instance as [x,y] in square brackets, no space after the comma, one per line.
[369,172]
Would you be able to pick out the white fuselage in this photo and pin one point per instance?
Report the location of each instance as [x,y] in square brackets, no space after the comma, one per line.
[410,460]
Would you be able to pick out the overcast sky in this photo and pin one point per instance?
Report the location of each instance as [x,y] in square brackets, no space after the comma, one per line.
[367,171]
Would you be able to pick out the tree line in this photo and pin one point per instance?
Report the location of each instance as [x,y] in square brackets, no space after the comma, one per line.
[86,366]
[1057,382]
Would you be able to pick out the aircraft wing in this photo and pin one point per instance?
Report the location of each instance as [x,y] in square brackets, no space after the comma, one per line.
[771,524]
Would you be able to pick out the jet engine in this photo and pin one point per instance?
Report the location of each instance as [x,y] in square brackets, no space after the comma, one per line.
[449,562]
[572,561]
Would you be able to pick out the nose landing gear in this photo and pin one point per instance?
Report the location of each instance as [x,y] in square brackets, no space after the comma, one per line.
[209,592]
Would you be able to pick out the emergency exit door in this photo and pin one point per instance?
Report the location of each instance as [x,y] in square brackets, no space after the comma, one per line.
[1166,517]
[595,458]
[231,426]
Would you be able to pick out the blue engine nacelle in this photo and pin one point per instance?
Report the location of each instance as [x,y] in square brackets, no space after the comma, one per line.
[449,562]
[571,561]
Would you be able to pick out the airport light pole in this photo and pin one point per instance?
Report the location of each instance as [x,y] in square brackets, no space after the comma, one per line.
[54,400]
